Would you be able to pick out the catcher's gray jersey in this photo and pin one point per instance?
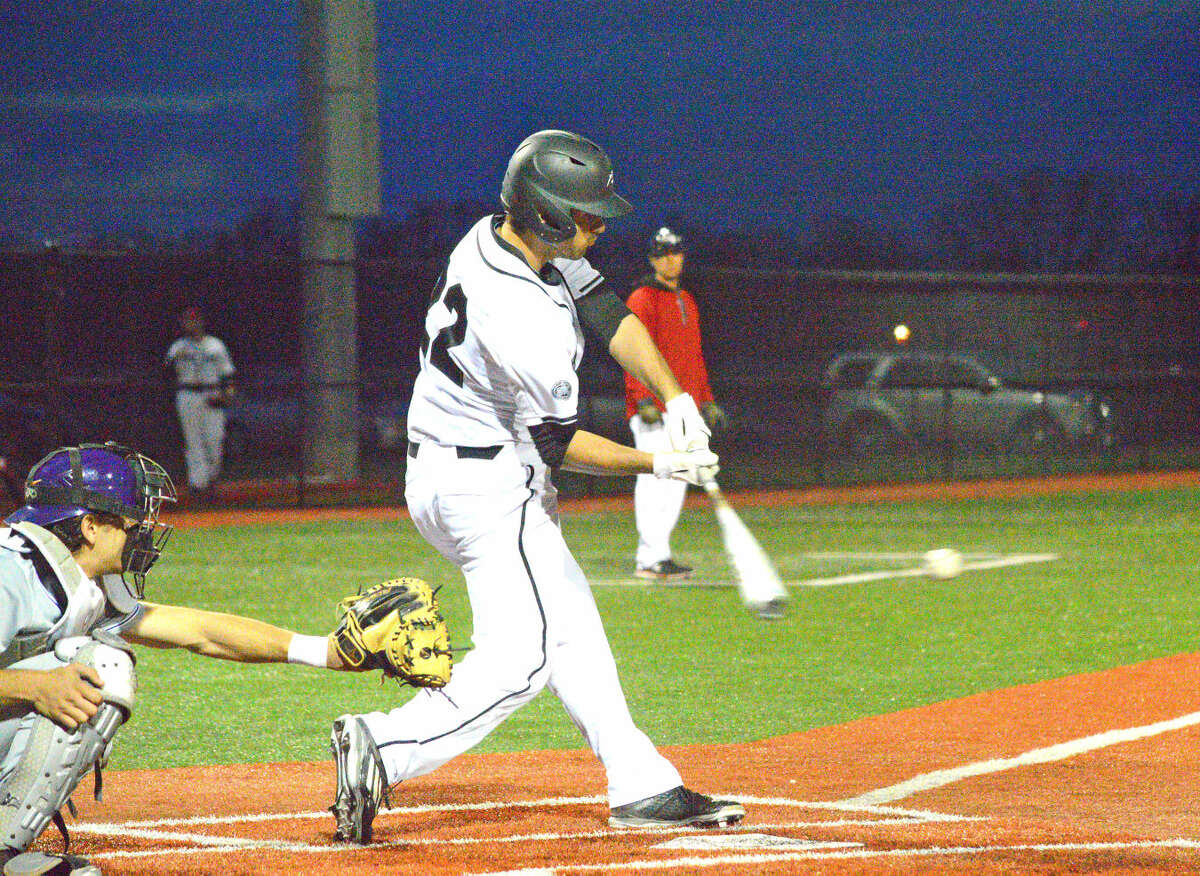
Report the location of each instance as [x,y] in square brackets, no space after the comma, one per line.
[36,601]
[503,345]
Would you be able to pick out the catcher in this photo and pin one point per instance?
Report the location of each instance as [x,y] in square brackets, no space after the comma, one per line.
[73,564]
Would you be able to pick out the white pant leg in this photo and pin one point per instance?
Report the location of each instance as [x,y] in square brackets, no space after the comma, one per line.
[583,675]
[475,513]
[16,719]
[656,501]
[203,429]
[534,622]
[214,440]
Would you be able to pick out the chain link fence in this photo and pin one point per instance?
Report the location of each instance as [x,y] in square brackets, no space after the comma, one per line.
[999,375]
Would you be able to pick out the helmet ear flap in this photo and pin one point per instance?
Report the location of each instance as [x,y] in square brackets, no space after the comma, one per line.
[538,212]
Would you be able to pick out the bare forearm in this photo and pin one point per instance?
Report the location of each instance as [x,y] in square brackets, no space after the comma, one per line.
[590,453]
[14,686]
[243,639]
[212,634]
[634,350]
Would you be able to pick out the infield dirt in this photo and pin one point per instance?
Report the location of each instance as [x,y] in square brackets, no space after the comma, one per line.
[1128,806]
[1120,806]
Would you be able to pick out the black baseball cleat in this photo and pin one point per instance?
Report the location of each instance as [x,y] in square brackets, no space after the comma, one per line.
[13,863]
[664,570]
[677,807]
[361,780]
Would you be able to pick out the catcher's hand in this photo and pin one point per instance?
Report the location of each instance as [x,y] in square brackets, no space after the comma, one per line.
[396,626]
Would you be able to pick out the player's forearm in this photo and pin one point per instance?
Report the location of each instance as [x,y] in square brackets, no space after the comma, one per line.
[589,453]
[634,350]
[212,634]
[15,686]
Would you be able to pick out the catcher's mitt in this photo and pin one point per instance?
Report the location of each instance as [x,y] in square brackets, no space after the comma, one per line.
[396,626]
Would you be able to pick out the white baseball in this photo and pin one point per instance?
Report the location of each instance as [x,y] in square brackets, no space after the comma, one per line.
[942,563]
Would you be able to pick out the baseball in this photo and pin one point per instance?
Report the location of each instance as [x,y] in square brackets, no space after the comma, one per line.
[942,563]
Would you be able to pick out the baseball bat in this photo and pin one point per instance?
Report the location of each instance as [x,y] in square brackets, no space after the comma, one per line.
[759,584]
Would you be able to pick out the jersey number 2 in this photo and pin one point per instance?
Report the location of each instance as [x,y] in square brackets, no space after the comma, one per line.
[438,347]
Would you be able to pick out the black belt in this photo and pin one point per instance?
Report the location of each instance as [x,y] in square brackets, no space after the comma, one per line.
[489,452]
[199,387]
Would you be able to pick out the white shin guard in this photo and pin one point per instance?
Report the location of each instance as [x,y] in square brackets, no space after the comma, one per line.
[55,759]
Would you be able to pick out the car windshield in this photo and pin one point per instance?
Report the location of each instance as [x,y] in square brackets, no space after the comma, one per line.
[960,372]
[851,373]
[914,372]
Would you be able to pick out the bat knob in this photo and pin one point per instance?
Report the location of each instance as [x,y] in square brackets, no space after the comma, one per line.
[770,610]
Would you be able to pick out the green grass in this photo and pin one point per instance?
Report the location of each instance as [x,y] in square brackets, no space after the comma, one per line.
[696,667]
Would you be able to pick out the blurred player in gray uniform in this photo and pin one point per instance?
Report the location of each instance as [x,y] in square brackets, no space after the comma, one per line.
[204,388]
[493,413]
[73,564]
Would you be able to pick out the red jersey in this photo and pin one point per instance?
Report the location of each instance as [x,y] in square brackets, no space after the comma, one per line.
[674,323]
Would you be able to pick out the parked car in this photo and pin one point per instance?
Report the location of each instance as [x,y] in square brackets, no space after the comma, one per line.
[880,401]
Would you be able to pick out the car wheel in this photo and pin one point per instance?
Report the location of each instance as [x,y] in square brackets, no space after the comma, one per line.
[1037,434]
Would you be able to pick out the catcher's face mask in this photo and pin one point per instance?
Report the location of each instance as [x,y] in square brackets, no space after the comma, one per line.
[112,479]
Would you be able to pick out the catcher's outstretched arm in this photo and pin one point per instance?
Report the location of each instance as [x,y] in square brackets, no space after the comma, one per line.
[213,634]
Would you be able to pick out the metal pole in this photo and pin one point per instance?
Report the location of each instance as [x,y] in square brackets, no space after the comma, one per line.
[339,181]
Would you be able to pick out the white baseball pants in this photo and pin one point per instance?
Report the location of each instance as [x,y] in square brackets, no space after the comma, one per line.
[16,717]
[535,625]
[203,437]
[656,501]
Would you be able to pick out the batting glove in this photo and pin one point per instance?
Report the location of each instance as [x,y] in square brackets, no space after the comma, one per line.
[694,466]
[685,426]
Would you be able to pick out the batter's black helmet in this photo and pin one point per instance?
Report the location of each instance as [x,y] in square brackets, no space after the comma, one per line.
[554,172]
[666,242]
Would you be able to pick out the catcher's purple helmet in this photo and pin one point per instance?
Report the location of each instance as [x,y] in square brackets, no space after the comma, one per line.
[106,478]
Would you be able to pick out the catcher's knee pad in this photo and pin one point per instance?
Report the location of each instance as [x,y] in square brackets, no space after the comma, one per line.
[55,759]
[112,659]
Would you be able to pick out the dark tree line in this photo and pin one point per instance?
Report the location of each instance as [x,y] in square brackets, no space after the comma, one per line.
[1042,220]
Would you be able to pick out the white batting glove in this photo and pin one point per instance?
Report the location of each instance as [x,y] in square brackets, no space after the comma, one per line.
[685,427]
[694,466]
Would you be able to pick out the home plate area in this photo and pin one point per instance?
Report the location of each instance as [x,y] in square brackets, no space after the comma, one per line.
[1076,774]
[567,835]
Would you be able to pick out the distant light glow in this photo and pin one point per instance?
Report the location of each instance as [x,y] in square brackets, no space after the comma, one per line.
[901,333]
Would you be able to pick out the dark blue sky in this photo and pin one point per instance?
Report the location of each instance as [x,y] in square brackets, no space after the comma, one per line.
[174,116]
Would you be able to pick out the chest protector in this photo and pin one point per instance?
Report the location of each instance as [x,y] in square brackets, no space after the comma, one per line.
[86,602]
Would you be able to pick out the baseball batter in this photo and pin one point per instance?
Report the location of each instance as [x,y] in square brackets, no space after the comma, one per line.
[204,387]
[73,564]
[670,314]
[493,414]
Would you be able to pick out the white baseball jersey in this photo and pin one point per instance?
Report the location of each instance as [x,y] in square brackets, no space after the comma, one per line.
[200,364]
[506,345]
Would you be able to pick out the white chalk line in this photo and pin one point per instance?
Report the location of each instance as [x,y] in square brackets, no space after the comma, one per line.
[208,844]
[1049,754]
[784,857]
[918,572]
[979,563]
[919,814]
